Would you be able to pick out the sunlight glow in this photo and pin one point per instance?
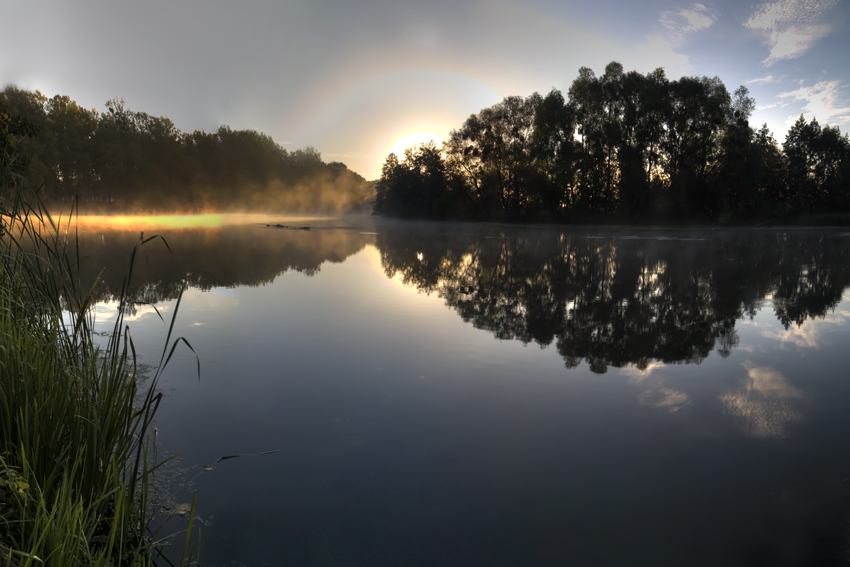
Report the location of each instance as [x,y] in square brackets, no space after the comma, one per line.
[137,222]
[412,140]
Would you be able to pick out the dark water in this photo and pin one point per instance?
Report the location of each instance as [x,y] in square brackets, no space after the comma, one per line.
[491,395]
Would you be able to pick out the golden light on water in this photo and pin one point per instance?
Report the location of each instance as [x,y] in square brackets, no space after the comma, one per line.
[412,140]
[137,222]
[181,221]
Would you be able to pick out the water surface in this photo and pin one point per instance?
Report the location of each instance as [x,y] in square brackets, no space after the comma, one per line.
[491,395]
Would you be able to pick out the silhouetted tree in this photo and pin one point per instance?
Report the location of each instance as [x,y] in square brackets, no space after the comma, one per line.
[814,175]
[419,186]
[126,160]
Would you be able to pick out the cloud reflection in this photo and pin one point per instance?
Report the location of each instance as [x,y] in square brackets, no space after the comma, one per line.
[656,396]
[765,404]
[638,374]
[106,312]
[811,333]
[665,398]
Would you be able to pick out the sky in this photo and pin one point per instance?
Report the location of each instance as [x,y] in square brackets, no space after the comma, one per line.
[350,77]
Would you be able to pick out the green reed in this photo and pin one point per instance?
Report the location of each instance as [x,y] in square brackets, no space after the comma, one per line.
[76,451]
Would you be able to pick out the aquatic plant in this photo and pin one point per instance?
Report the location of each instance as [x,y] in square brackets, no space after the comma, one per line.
[76,451]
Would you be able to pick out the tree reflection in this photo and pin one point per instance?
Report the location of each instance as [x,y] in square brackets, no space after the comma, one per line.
[613,299]
[605,297]
[229,256]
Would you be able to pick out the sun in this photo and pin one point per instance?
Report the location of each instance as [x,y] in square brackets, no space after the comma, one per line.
[412,140]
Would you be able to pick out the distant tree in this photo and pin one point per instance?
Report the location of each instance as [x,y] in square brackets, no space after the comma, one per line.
[594,187]
[771,173]
[554,152]
[814,175]
[122,160]
[494,149]
[736,176]
[13,164]
[698,113]
[416,187]
[28,107]
[73,128]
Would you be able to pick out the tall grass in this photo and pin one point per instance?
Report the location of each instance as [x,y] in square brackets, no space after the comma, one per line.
[76,452]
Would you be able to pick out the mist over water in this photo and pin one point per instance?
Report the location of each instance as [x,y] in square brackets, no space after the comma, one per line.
[490,394]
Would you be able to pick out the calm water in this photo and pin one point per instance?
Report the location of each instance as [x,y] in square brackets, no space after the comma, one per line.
[491,395]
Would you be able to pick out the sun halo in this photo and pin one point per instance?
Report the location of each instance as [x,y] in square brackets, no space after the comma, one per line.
[412,140]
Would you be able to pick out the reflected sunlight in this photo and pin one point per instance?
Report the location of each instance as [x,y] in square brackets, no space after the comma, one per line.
[371,252]
[138,222]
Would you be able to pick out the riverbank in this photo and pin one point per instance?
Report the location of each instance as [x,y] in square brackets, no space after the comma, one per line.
[76,447]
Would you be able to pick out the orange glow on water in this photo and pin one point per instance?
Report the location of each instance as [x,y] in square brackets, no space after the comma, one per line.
[173,222]
[138,222]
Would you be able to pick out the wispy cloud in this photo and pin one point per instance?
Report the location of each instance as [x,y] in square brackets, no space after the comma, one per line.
[687,20]
[791,26]
[823,101]
[766,80]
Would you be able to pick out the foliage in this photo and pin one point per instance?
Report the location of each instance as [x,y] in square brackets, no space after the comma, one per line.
[626,146]
[419,186]
[122,160]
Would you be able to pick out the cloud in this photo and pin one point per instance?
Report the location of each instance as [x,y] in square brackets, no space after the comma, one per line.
[791,26]
[687,20]
[765,403]
[822,102]
[766,80]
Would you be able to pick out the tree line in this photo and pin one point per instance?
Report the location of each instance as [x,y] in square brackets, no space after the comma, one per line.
[621,146]
[124,160]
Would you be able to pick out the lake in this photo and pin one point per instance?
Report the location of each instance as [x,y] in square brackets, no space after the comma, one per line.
[482,394]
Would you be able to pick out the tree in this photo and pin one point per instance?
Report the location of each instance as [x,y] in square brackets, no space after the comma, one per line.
[814,177]
[494,150]
[554,153]
[698,112]
[74,129]
[416,187]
